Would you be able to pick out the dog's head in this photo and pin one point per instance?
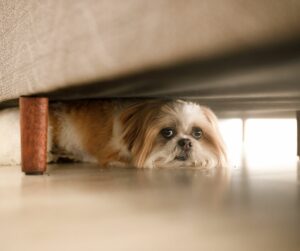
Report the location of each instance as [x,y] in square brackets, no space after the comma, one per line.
[173,134]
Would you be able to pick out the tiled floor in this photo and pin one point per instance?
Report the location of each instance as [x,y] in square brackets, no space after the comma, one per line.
[82,207]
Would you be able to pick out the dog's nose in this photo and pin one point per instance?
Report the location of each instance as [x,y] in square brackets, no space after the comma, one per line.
[185,144]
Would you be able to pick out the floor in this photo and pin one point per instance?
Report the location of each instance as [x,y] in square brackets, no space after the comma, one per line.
[83,207]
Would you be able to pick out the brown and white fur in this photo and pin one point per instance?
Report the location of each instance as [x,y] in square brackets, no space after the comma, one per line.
[129,133]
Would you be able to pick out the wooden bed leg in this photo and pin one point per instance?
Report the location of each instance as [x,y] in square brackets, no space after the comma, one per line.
[34,130]
[298,133]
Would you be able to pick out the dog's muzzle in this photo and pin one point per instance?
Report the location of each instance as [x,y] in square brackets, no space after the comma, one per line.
[185,146]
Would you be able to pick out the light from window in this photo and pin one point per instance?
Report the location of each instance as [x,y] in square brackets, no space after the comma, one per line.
[268,143]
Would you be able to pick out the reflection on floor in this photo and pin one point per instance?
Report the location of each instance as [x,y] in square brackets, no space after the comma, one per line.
[84,207]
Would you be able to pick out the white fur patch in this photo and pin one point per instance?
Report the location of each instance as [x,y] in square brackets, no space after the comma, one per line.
[116,141]
[70,141]
[10,138]
[190,113]
[10,143]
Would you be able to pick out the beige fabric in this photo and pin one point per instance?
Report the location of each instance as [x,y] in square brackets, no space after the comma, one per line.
[50,44]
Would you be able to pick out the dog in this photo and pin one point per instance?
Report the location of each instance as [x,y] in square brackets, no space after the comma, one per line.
[139,133]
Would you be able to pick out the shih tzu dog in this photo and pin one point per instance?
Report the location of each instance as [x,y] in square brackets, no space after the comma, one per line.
[148,134]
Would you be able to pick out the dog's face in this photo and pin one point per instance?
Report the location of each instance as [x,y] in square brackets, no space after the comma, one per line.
[174,134]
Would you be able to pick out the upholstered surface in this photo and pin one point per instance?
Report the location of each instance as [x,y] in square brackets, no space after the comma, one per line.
[48,45]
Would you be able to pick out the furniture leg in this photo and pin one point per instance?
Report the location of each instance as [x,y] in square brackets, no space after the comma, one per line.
[298,133]
[34,130]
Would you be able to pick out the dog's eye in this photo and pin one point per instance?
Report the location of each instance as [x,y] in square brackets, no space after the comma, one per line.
[197,132]
[168,133]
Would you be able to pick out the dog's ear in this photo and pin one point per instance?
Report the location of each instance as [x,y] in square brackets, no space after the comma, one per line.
[211,117]
[213,136]
[139,121]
